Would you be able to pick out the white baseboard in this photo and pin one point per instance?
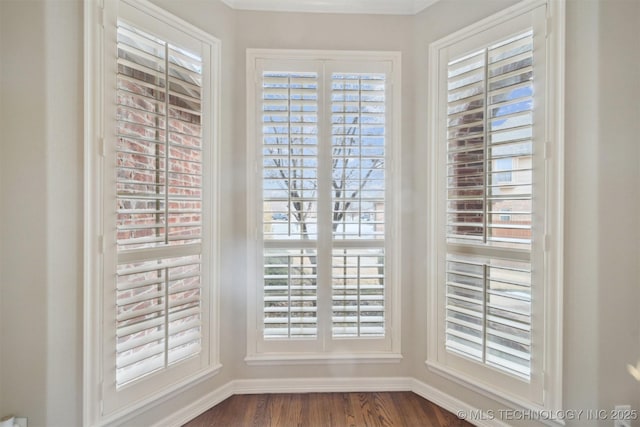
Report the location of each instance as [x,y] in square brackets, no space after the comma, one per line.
[454,405]
[198,407]
[320,385]
[326,385]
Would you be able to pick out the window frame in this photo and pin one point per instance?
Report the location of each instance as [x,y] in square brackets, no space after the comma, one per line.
[503,387]
[303,351]
[99,47]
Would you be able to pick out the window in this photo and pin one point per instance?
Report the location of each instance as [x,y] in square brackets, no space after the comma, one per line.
[154,207]
[503,168]
[323,134]
[493,273]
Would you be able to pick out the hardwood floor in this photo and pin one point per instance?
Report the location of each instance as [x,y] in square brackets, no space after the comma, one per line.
[387,409]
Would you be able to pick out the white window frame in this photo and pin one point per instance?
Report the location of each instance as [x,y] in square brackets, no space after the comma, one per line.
[99,71]
[547,393]
[310,351]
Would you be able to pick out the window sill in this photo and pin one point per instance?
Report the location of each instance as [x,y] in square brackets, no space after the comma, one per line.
[267,359]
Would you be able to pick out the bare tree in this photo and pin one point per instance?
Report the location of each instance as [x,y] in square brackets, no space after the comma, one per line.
[346,170]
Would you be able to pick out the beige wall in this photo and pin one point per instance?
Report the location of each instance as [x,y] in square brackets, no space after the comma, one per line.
[41,195]
[618,226]
[24,212]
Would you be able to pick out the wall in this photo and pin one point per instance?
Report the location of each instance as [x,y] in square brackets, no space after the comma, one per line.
[23,229]
[41,195]
[618,201]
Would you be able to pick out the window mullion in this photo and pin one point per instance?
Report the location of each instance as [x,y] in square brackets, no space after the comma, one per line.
[166,200]
[325,218]
[487,161]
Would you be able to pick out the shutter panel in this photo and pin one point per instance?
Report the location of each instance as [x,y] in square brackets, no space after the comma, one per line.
[290,202]
[358,301]
[358,114]
[290,294]
[358,134]
[290,155]
[159,204]
[489,205]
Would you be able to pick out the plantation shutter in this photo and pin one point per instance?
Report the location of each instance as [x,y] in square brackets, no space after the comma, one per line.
[290,202]
[152,206]
[323,135]
[158,155]
[358,113]
[488,265]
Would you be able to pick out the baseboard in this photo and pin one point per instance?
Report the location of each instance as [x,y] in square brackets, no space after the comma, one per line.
[455,406]
[326,385]
[198,407]
[321,385]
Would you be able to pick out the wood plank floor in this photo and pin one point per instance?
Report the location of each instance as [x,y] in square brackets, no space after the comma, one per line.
[387,409]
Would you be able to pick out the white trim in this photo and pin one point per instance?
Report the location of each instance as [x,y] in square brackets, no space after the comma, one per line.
[323,55]
[198,407]
[554,108]
[453,404]
[321,385]
[315,358]
[93,75]
[555,273]
[378,7]
[327,385]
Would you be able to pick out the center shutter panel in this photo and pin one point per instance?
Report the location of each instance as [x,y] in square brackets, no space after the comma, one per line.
[159,204]
[489,205]
[290,203]
[358,125]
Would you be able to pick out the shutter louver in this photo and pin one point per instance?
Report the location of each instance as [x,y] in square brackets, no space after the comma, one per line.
[489,205]
[159,204]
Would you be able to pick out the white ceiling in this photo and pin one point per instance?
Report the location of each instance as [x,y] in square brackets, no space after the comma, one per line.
[390,7]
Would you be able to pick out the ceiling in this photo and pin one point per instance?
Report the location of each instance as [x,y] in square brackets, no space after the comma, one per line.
[389,7]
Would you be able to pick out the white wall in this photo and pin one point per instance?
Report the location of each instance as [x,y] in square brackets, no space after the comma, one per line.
[618,227]
[23,372]
[41,195]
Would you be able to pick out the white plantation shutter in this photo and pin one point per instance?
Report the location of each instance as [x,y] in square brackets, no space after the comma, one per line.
[158,200]
[494,206]
[358,112]
[290,202]
[323,133]
[490,119]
